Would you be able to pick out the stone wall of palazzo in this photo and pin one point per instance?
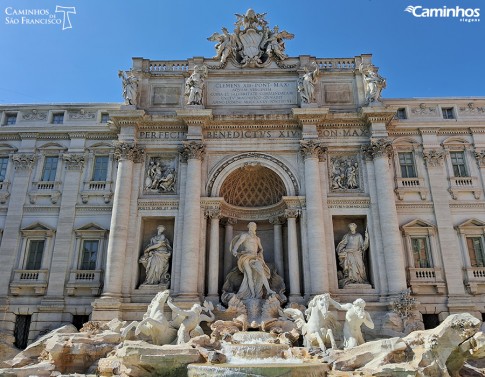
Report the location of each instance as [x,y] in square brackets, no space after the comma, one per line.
[104,205]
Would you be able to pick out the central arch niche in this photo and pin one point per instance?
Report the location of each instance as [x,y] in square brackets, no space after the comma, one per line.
[253,185]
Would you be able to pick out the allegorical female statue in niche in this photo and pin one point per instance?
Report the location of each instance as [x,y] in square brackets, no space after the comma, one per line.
[350,253]
[155,259]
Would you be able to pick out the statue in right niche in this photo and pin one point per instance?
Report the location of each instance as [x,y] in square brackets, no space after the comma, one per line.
[350,252]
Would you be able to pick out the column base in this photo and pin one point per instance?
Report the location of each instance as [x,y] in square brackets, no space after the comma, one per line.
[105,309]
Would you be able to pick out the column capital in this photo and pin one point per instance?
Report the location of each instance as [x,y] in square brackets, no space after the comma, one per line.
[312,149]
[277,220]
[192,150]
[292,213]
[73,161]
[433,157]
[230,221]
[213,213]
[129,151]
[480,157]
[378,148]
[24,161]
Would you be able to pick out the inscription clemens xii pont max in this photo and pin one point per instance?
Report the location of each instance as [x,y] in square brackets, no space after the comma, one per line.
[252,93]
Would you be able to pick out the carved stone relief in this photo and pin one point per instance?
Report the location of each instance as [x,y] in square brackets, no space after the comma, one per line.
[344,173]
[424,110]
[161,175]
[35,115]
[471,109]
[82,115]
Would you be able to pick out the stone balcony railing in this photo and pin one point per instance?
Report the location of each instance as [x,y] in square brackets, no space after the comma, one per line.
[342,64]
[97,188]
[155,66]
[84,282]
[421,279]
[46,185]
[410,185]
[29,282]
[475,279]
[464,184]
[49,189]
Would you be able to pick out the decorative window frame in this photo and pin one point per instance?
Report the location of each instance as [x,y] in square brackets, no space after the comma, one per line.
[448,106]
[423,280]
[87,282]
[474,276]
[4,117]
[33,281]
[102,189]
[409,185]
[55,112]
[51,189]
[469,183]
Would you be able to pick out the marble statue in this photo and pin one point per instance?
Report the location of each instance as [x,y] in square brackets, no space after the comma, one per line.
[251,263]
[306,84]
[320,324]
[160,177]
[275,42]
[190,320]
[155,259]
[350,253]
[194,85]
[253,43]
[355,317]
[130,87]
[373,83]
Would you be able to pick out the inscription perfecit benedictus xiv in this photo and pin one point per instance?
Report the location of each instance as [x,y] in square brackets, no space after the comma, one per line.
[252,93]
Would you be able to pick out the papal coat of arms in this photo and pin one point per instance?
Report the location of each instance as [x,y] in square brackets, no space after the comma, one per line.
[253,43]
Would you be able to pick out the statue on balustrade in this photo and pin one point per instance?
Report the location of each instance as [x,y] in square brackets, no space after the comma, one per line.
[306,84]
[350,253]
[130,87]
[155,259]
[194,85]
[373,83]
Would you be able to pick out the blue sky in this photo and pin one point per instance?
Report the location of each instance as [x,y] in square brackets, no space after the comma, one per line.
[420,57]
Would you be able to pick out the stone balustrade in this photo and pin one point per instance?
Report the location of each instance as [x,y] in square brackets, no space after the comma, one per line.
[155,66]
[337,64]
[28,282]
[464,184]
[475,279]
[84,282]
[422,279]
[410,185]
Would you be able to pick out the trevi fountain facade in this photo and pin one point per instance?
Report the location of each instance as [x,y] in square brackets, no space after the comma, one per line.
[250,209]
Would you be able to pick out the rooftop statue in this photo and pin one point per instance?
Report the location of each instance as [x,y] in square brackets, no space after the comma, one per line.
[373,83]
[253,43]
[194,85]
[130,87]
[306,84]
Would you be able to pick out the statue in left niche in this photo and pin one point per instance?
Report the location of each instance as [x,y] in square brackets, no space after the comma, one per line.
[130,87]
[194,85]
[155,259]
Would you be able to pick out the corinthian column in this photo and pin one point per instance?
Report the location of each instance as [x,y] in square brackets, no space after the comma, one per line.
[315,229]
[193,152]
[127,154]
[278,244]
[213,281]
[293,260]
[228,236]
[380,151]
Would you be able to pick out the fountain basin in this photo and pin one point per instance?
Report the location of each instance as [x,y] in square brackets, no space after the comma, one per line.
[269,370]
[254,351]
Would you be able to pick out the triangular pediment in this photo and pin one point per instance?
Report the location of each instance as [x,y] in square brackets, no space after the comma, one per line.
[418,223]
[38,226]
[91,227]
[475,223]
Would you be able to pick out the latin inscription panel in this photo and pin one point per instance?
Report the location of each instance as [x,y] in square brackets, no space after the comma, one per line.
[251,93]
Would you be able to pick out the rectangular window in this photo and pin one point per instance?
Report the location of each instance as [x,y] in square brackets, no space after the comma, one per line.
[10,119]
[476,252]
[100,170]
[57,118]
[21,330]
[421,254]
[401,113]
[458,163]
[448,113]
[50,169]
[406,161]
[104,117]
[3,168]
[34,255]
[89,255]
